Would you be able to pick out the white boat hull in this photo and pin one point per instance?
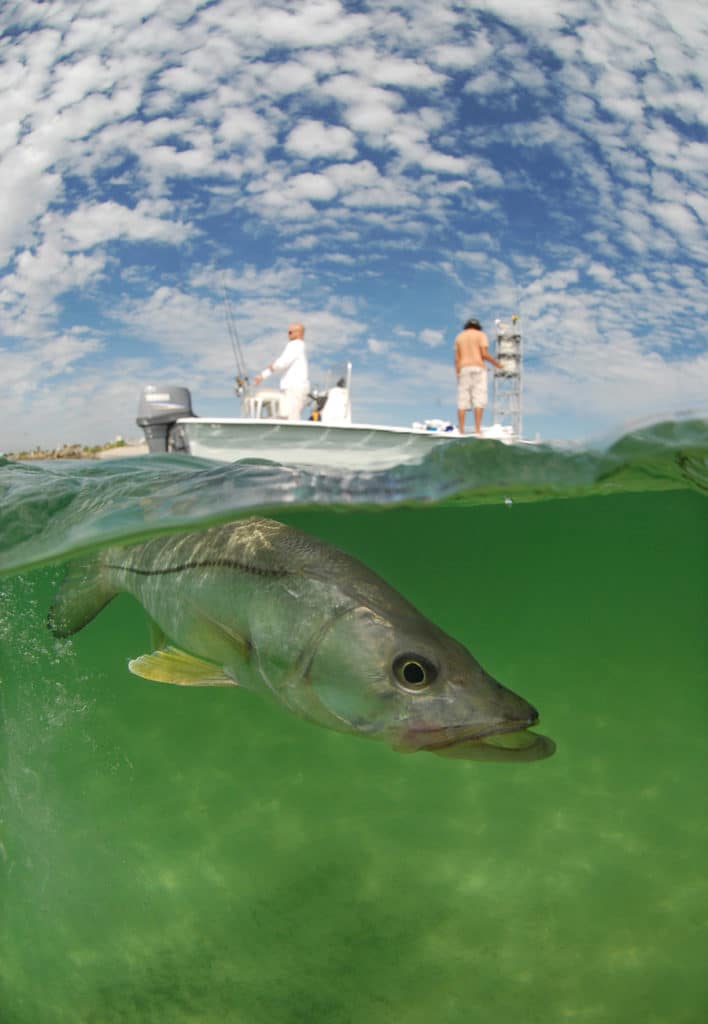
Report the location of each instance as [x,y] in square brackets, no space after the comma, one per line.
[353,447]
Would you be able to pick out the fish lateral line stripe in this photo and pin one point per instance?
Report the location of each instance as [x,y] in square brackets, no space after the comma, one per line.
[206,564]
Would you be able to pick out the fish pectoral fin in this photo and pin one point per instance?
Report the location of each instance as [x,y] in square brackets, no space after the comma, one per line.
[170,665]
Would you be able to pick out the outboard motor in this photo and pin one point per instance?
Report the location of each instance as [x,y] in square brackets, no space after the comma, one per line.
[158,412]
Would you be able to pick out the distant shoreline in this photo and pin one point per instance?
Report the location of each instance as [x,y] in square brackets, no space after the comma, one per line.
[109,450]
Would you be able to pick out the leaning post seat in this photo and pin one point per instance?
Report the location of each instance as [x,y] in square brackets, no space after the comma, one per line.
[263,404]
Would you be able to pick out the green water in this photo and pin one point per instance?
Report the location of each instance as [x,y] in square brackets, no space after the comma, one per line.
[198,856]
[180,856]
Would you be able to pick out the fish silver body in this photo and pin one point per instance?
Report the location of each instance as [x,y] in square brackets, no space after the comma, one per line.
[267,607]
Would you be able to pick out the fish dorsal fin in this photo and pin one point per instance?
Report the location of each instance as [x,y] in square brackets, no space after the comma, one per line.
[170,665]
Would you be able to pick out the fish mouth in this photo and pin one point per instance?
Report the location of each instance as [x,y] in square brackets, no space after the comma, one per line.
[508,741]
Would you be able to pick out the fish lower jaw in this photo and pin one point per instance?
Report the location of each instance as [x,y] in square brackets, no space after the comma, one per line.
[441,739]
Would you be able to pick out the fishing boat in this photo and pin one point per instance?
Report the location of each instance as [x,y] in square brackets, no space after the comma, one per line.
[329,439]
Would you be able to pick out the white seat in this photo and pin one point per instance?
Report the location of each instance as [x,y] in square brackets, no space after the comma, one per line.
[264,404]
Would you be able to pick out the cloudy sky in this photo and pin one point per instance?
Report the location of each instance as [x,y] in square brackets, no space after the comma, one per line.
[378,170]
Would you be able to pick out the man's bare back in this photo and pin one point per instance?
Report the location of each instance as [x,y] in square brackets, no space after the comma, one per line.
[470,346]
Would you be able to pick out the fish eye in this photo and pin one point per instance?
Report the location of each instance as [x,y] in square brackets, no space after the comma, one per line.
[413,672]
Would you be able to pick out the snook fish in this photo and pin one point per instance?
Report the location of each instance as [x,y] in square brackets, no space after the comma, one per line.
[258,604]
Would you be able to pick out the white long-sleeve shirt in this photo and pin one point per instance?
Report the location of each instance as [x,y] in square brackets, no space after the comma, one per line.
[293,361]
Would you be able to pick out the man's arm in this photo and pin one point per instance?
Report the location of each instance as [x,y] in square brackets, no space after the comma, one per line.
[287,357]
[284,360]
[484,349]
[457,356]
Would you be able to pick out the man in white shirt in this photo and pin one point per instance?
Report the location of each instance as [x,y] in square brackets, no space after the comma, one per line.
[295,382]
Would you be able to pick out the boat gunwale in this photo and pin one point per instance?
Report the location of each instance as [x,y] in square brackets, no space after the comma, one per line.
[252,423]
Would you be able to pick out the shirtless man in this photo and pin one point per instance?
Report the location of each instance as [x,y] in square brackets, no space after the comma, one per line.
[471,352]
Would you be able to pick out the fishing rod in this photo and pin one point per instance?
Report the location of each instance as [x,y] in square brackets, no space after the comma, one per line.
[241,383]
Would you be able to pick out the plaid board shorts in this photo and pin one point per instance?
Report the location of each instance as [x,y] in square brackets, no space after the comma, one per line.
[472,388]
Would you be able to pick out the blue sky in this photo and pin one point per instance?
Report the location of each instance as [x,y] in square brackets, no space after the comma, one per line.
[379,171]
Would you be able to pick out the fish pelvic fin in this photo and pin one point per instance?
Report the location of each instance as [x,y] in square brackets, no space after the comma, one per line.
[81,595]
[170,665]
[158,637]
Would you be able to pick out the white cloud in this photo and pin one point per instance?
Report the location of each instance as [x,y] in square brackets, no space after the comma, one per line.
[26,373]
[406,74]
[384,194]
[464,58]
[603,274]
[91,225]
[290,77]
[678,218]
[318,187]
[431,337]
[28,296]
[487,83]
[376,347]
[315,23]
[241,127]
[543,13]
[311,139]
[183,79]
[27,190]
